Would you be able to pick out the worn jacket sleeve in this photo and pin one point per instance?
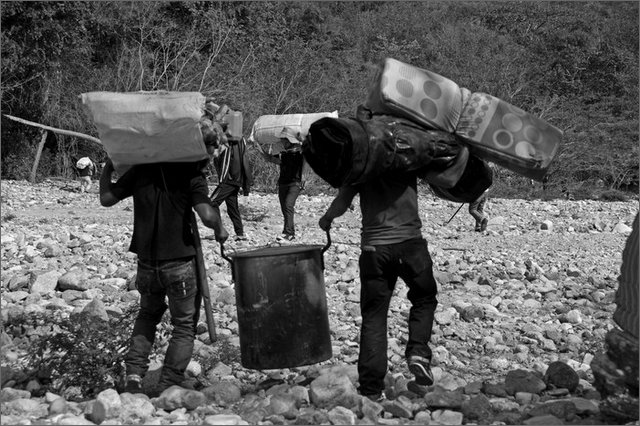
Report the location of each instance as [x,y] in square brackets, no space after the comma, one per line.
[246,169]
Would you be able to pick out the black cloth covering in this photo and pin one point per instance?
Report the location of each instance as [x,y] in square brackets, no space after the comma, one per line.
[349,151]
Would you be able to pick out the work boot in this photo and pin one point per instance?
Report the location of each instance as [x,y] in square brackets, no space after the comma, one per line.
[483,224]
[133,383]
[376,397]
[420,367]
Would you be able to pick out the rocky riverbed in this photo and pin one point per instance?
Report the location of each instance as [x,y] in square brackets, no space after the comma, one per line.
[523,309]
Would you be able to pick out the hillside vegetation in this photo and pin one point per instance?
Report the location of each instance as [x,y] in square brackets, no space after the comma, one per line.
[574,64]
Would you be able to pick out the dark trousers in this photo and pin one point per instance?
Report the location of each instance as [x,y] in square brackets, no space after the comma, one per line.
[288,194]
[380,267]
[174,280]
[229,194]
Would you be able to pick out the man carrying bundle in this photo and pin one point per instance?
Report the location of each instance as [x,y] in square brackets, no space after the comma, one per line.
[86,169]
[392,247]
[163,196]
[291,163]
[234,173]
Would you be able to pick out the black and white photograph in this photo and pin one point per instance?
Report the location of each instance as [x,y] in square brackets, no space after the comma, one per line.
[319,212]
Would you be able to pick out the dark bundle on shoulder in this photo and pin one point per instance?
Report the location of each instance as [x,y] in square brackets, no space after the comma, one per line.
[349,151]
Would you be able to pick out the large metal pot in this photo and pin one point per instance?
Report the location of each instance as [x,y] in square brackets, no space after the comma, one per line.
[282,305]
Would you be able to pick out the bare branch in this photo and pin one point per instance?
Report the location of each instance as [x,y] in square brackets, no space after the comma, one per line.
[54,129]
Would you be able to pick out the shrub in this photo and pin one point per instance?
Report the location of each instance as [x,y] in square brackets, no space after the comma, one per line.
[613,195]
[64,352]
[223,351]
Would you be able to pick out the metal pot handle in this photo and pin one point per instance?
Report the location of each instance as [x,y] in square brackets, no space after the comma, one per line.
[326,247]
[228,259]
[224,256]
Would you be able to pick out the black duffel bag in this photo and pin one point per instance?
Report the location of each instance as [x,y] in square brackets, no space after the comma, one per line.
[476,178]
[347,151]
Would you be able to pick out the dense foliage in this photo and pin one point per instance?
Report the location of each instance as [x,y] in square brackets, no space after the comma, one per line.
[69,358]
[574,64]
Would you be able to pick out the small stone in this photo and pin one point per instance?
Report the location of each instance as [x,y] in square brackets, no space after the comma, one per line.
[342,416]
[543,420]
[561,375]
[224,419]
[447,417]
[523,381]
[58,406]
[223,393]
[573,316]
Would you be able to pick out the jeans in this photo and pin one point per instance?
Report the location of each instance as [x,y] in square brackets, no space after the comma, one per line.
[288,194]
[229,194]
[85,183]
[476,209]
[380,267]
[175,280]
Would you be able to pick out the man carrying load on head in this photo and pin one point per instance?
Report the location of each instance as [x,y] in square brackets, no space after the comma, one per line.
[234,172]
[290,183]
[392,247]
[86,169]
[163,197]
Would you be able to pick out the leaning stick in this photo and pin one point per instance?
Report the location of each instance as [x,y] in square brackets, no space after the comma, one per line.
[53,129]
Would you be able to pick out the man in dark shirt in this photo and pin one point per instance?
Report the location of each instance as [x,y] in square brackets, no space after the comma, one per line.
[392,247]
[163,197]
[291,164]
[232,167]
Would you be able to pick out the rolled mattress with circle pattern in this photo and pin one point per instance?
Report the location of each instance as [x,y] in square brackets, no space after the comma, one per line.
[509,136]
[493,129]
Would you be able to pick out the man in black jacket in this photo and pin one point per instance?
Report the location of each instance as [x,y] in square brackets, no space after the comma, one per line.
[290,183]
[234,172]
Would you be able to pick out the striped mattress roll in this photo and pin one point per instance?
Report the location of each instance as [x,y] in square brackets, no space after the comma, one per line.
[626,313]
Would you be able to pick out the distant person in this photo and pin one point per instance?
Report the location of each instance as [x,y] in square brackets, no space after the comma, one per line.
[234,174]
[290,183]
[392,248]
[545,182]
[86,170]
[476,209]
[164,195]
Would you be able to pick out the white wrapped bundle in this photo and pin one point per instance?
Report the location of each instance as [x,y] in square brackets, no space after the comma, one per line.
[148,127]
[266,128]
[83,163]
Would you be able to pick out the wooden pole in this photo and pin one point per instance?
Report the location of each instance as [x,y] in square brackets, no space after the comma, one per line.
[34,169]
[53,129]
[201,278]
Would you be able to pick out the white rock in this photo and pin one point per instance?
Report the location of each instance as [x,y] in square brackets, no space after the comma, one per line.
[622,228]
